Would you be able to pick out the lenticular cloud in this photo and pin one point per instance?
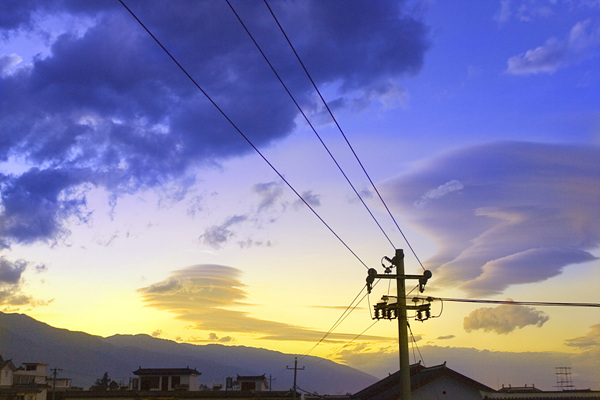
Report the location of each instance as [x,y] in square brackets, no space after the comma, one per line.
[522,212]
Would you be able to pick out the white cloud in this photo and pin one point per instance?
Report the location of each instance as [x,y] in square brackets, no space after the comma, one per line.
[503,15]
[440,191]
[504,318]
[8,64]
[555,54]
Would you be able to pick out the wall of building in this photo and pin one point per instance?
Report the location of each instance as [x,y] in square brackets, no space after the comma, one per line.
[446,388]
[6,376]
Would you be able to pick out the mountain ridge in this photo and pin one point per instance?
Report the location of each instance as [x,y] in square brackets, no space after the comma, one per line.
[84,358]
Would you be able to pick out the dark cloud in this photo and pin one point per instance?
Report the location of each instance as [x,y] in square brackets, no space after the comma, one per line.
[313,199]
[11,284]
[217,235]
[41,268]
[157,333]
[35,203]
[269,193]
[270,205]
[504,213]
[254,243]
[589,342]
[504,318]
[195,206]
[166,286]
[210,296]
[106,107]
[10,272]
[213,337]
[445,337]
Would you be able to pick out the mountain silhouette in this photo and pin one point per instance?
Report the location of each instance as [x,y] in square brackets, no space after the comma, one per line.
[84,358]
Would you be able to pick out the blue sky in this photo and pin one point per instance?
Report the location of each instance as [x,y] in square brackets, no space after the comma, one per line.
[130,205]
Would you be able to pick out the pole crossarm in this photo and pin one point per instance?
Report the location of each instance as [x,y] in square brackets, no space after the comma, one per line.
[372,275]
[388,276]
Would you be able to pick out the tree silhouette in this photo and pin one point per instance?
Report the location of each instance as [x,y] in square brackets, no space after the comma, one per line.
[104,384]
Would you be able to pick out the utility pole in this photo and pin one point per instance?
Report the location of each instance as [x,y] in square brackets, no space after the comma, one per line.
[398,262]
[398,310]
[295,372]
[271,379]
[54,371]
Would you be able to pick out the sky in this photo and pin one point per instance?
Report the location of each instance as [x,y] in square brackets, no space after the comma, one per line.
[133,200]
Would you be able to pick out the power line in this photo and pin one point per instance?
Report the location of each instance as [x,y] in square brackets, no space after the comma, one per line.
[342,132]
[356,337]
[308,122]
[340,319]
[414,343]
[347,311]
[512,302]
[239,131]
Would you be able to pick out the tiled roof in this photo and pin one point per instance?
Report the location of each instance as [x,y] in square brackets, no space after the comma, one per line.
[390,387]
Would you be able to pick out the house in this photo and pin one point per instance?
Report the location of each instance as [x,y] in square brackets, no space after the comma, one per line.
[255,383]
[60,384]
[31,373]
[166,379]
[437,382]
[7,369]
[27,382]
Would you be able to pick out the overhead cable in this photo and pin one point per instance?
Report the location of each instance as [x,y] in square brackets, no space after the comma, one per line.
[343,134]
[239,131]
[356,337]
[512,302]
[309,123]
[341,318]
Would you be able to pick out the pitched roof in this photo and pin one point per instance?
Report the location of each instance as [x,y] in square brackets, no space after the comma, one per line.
[7,363]
[166,371]
[391,387]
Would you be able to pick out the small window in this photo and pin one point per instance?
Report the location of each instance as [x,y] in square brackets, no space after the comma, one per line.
[175,381]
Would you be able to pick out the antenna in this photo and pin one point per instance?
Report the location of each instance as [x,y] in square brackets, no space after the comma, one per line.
[563,378]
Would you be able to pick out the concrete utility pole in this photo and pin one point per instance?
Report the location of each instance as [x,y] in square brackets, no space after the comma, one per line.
[54,371]
[398,310]
[295,371]
[398,262]
[271,379]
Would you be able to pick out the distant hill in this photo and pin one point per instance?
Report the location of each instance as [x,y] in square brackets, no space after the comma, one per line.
[84,358]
